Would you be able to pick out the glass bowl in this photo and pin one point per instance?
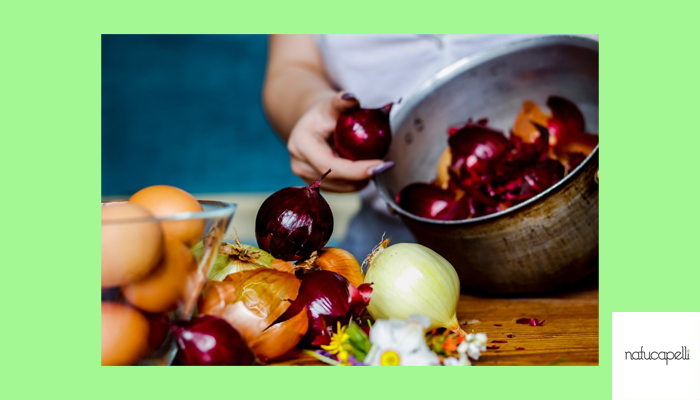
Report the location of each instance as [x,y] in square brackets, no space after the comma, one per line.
[139,302]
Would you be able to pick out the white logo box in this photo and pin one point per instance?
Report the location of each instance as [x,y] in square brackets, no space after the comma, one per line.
[656,355]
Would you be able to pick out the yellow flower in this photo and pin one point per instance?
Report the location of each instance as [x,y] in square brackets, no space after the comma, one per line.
[389,358]
[337,341]
[343,357]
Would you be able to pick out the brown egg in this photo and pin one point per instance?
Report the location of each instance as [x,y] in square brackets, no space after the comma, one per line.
[124,334]
[132,245]
[162,289]
[163,200]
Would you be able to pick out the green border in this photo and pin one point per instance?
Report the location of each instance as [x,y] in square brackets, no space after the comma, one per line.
[50,160]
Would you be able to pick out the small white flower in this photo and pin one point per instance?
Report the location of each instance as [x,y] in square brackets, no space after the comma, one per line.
[398,342]
[473,345]
[463,361]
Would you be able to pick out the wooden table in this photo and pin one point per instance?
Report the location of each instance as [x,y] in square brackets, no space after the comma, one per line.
[569,335]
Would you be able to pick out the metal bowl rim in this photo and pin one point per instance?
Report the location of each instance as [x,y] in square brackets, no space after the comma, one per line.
[458,67]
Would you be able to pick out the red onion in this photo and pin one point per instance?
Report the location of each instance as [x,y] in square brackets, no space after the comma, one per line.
[209,340]
[429,201]
[363,134]
[328,299]
[476,149]
[294,222]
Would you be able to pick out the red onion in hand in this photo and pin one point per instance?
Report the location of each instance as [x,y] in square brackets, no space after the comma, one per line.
[363,134]
[294,222]
[209,340]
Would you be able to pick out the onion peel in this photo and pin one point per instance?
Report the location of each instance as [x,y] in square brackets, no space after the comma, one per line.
[336,260]
[250,300]
[281,337]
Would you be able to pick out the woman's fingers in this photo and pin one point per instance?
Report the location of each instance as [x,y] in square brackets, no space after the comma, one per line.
[343,102]
[309,175]
[312,155]
[320,156]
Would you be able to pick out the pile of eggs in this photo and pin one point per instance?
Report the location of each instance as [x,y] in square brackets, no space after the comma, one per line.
[146,266]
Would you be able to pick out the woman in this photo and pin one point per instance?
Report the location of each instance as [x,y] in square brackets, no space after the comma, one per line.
[311,79]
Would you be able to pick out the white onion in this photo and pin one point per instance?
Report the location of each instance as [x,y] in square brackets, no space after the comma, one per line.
[412,279]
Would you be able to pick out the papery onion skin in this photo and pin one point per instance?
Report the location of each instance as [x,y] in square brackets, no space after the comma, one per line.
[209,340]
[544,174]
[281,337]
[443,178]
[482,172]
[476,149]
[408,279]
[429,201]
[237,257]
[342,262]
[363,134]
[294,222]
[566,117]
[567,128]
[251,300]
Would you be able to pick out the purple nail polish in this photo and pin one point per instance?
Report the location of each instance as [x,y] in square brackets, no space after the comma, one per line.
[381,168]
[348,96]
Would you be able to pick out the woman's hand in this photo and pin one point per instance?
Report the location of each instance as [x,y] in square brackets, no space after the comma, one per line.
[303,107]
[311,152]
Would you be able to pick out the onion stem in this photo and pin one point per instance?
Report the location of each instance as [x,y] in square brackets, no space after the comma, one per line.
[318,181]
[321,357]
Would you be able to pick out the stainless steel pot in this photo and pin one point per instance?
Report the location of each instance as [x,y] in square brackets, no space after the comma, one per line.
[543,244]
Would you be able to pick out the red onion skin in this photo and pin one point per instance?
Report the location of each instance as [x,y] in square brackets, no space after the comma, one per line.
[566,117]
[544,174]
[567,128]
[294,222]
[328,299]
[497,173]
[538,150]
[476,150]
[359,299]
[363,134]
[429,201]
[210,340]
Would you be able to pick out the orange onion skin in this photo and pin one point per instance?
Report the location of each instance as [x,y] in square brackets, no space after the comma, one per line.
[342,262]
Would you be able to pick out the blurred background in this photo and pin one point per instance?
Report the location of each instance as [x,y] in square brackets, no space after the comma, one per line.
[185,110]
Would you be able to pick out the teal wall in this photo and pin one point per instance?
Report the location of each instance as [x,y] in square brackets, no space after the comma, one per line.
[185,110]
